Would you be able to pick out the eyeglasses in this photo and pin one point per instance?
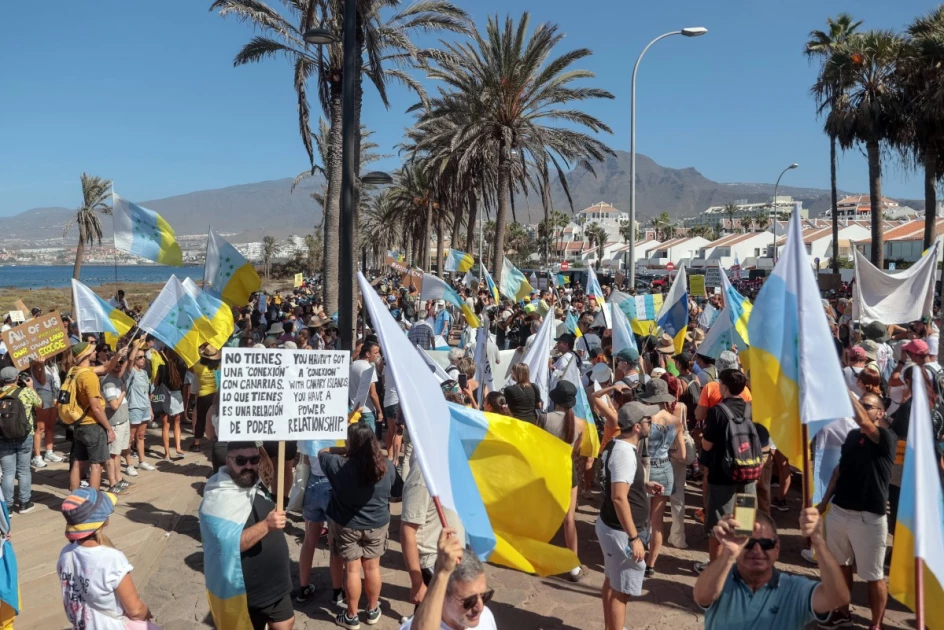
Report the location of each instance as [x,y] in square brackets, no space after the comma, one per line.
[647,420]
[870,407]
[766,544]
[469,602]
[242,460]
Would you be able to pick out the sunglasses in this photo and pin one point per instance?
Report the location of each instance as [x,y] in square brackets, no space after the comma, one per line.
[766,544]
[870,407]
[469,602]
[242,460]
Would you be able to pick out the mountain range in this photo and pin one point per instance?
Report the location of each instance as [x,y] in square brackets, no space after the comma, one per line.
[246,212]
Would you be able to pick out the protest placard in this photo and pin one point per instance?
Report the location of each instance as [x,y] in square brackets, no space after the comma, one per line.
[299,280]
[21,307]
[713,276]
[696,285]
[37,339]
[271,394]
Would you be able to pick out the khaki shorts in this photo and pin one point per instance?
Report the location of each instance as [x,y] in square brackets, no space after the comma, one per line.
[122,438]
[354,544]
[860,537]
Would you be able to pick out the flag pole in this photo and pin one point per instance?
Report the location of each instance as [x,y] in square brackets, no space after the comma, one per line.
[440,512]
[206,253]
[919,593]
[807,497]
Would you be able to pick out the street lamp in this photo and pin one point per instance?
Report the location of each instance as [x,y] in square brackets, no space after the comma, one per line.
[320,37]
[376,178]
[692,31]
[774,206]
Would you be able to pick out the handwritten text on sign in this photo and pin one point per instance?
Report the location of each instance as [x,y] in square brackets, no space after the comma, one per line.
[283,394]
[38,339]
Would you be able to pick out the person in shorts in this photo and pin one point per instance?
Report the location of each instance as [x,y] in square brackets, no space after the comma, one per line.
[314,511]
[138,392]
[116,409]
[93,432]
[361,479]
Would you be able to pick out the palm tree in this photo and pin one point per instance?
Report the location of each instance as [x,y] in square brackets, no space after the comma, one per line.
[95,191]
[761,221]
[597,235]
[269,247]
[503,91]
[821,46]
[867,108]
[313,251]
[661,223]
[731,209]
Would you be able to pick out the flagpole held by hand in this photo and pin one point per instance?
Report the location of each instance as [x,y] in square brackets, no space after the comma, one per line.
[280,477]
[440,512]
[919,592]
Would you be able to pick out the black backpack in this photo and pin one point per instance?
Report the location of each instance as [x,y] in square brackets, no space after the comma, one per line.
[742,458]
[14,424]
[409,309]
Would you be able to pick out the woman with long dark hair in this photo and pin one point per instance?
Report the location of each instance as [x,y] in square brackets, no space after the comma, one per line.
[361,479]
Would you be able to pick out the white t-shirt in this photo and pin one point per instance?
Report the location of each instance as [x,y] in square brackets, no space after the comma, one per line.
[486,622]
[89,577]
[851,373]
[357,369]
[621,463]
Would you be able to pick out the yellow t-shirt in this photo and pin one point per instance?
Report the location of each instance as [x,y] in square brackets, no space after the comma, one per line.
[206,379]
[87,388]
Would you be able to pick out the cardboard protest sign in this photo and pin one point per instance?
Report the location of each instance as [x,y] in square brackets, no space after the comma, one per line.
[696,285]
[299,280]
[713,276]
[21,307]
[37,339]
[271,394]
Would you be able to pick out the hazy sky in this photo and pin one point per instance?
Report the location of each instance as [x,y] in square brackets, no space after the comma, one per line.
[145,93]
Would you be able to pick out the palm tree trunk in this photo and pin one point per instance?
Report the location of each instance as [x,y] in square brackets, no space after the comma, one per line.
[930,201]
[427,234]
[875,198]
[439,241]
[501,217]
[835,202]
[470,224]
[79,253]
[332,218]
[456,225]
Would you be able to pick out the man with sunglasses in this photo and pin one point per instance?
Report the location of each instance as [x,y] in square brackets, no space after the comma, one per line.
[623,525]
[458,595]
[742,590]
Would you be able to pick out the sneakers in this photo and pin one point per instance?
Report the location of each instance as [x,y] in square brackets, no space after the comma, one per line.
[83,484]
[836,621]
[49,456]
[807,554]
[338,598]
[700,566]
[650,571]
[780,505]
[27,507]
[373,616]
[346,622]
[576,574]
[304,593]
[146,466]
[678,544]
[38,462]
[130,471]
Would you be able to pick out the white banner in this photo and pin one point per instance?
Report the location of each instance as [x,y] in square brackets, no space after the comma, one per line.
[283,394]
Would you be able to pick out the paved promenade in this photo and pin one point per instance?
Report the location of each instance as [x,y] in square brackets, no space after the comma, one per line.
[156,526]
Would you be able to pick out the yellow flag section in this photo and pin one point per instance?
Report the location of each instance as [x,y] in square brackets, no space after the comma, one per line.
[228,273]
[920,529]
[219,324]
[523,474]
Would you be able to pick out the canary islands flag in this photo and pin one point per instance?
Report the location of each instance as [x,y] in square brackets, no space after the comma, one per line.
[219,316]
[229,274]
[513,282]
[95,315]
[673,318]
[640,310]
[920,529]
[457,261]
[9,574]
[436,289]
[730,326]
[571,321]
[793,379]
[590,444]
[144,233]
[490,284]
[176,319]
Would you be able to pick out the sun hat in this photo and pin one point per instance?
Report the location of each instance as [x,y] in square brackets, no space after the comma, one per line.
[870,348]
[81,350]
[727,360]
[86,511]
[666,344]
[290,345]
[657,372]
[601,373]
[632,413]
[656,391]
[564,394]
[8,374]
[210,353]
[916,346]
[276,329]
[876,331]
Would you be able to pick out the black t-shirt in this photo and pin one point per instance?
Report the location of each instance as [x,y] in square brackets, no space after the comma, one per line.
[865,470]
[355,504]
[522,401]
[266,567]
[716,425]
[763,434]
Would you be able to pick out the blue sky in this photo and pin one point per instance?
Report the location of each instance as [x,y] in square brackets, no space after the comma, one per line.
[145,93]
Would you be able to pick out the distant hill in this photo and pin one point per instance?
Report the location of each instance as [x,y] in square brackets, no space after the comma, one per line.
[249,211]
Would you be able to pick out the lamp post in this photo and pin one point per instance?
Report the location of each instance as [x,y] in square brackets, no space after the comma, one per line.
[694,31]
[774,206]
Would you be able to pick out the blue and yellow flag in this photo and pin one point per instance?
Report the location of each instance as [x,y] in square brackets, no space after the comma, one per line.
[229,275]
[513,283]
[144,233]
[590,446]
[571,321]
[436,289]
[457,261]
[176,319]
[490,284]
[95,315]
[218,314]
[673,318]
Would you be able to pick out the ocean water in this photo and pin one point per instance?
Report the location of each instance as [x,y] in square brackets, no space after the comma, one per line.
[40,276]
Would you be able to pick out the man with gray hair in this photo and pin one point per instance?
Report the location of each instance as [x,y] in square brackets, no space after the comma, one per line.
[421,333]
[458,595]
[455,355]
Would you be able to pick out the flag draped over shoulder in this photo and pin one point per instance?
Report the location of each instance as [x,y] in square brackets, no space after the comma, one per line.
[228,273]
[795,374]
[219,315]
[537,359]
[673,317]
[457,261]
[144,233]
[438,449]
[920,529]
[894,298]
[176,319]
[223,514]
[435,289]
[513,282]
[519,469]
[93,314]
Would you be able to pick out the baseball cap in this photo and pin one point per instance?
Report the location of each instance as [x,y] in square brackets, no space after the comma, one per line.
[633,413]
[916,346]
[629,355]
[8,374]
[568,337]
[727,360]
[564,394]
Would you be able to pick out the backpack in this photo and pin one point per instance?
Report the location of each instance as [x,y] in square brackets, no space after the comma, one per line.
[937,378]
[695,385]
[14,423]
[742,457]
[69,410]
[409,309]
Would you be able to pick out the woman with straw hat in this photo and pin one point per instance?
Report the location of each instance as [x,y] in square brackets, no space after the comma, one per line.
[97,589]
